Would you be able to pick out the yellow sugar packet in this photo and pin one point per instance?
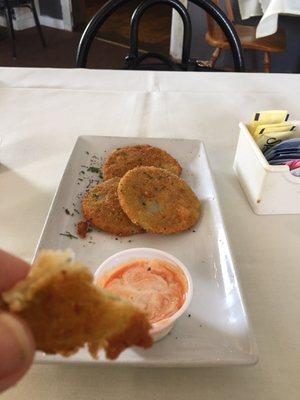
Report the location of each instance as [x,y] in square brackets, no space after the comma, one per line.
[269,139]
[263,129]
[268,117]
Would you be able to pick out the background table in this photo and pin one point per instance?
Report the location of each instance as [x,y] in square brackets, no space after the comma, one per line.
[270,9]
[42,113]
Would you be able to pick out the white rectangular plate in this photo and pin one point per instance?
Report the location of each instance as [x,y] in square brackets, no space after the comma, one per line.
[215,329]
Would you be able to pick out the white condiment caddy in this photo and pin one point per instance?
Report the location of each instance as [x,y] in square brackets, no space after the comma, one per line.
[270,189]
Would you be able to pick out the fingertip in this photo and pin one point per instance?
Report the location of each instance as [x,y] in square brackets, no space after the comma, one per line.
[12,270]
[17,349]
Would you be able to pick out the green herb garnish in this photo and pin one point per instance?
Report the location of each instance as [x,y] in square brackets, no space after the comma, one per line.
[95,170]
[69,235]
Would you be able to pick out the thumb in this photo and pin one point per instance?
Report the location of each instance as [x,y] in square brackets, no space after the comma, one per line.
[16,349]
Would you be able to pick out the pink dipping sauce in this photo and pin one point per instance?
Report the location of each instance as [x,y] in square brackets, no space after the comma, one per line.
[155,286]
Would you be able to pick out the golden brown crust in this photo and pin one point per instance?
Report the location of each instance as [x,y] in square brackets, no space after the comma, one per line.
[65,310]
[102,209]
[157,200]
[126,158]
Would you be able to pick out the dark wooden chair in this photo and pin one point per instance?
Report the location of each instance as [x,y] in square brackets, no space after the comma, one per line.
[136,61]
[6,8]
[269,44]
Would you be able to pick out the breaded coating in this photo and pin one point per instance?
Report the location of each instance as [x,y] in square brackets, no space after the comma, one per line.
[102,209]
[157,200]
[126,158]
[65,310]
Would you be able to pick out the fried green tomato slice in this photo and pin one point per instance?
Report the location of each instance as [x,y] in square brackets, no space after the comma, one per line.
[158,201]
[66,310]
[126,158]
[102,209]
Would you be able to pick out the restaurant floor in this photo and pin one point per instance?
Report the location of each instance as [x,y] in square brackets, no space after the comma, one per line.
[108,50]
[60,51]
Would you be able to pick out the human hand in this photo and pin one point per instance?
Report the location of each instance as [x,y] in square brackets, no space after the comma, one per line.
[16,341]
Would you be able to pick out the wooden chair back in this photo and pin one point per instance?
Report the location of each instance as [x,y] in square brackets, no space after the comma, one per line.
[213,28]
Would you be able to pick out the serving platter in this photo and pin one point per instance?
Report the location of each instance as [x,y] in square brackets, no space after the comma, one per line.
[215,330]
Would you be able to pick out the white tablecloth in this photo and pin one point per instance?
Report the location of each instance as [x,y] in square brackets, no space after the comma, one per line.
[270,9]
[42,113]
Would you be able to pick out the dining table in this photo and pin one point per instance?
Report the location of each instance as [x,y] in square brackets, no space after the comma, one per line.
[43,111]
[270,10]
